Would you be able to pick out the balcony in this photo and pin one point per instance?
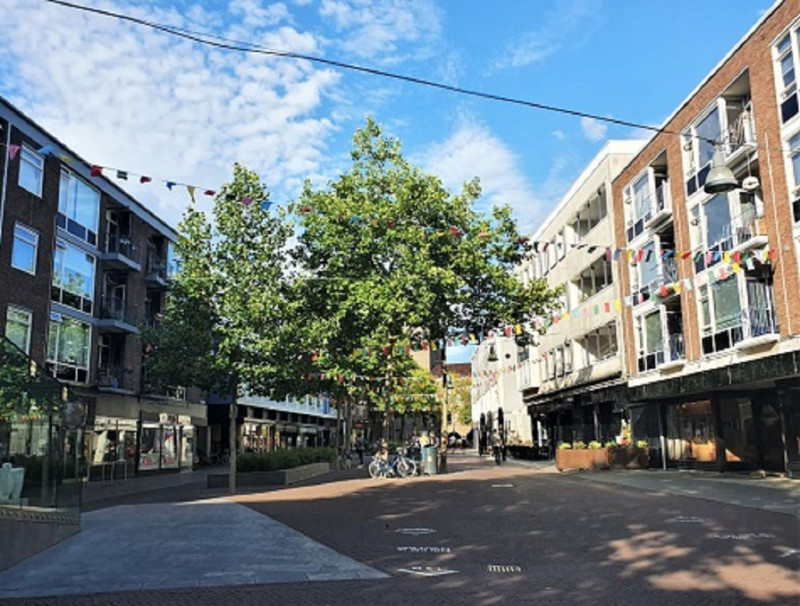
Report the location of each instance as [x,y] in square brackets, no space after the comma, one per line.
[760,328]
[112,378]
[746,232]
[114,316]
[156,270]
[740,136]
[120,253]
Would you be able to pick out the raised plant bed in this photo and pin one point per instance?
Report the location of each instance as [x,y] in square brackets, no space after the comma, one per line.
[631,457]
[280,477]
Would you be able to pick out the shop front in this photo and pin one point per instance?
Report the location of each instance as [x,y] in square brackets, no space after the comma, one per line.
[166,442]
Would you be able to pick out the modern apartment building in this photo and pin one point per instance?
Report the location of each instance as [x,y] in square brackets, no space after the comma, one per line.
[711,334]
[83,267]
[572,379]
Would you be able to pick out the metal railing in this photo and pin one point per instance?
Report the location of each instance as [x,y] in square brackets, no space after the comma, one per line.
[676,347]
[121,244]
[760,321]
[114,308]
[111,376]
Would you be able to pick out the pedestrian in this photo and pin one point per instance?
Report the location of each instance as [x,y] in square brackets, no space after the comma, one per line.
[497,445]
[433,440]
[360,450]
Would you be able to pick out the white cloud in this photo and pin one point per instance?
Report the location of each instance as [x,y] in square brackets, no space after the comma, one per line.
[380,30]
[569,25]
[593,129]
[128,97]
[473,150]
[558,134]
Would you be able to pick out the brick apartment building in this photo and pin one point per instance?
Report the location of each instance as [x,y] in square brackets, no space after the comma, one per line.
[83,267]
[712,335]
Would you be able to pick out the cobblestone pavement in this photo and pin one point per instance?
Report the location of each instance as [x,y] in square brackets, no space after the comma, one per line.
[487,535]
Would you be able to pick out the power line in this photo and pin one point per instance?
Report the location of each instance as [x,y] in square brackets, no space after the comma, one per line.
[248,47]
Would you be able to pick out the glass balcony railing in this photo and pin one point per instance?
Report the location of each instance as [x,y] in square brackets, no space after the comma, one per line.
[110,376]
[121,244]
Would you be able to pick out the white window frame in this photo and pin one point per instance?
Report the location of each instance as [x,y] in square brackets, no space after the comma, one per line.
[785,91]
[67,204]
[28,231]
[31,163]
[28,325]
[53,359]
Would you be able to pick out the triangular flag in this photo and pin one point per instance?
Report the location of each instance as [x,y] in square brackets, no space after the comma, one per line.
[144,179]
[687,284]
[65,158]
[617,304]
[190,189]
[265,205]
[209,192]
[45,150]
[607,307]
[121,174]
[170,185]
[96,171]
[247,200]
[12,151]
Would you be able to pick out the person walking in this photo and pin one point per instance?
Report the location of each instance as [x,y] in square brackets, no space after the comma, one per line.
[497,446]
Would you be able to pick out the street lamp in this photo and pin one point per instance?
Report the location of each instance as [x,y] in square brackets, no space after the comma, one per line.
[720,178]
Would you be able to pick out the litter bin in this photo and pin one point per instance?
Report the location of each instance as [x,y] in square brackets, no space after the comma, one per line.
[430,460]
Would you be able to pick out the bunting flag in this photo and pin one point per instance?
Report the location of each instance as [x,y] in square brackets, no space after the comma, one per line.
[144,179]
[96,171]
[12,151]
[190,189]
[121,174]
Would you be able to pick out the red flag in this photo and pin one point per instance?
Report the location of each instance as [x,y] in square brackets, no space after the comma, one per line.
[209,192]
[144,179]
[663,291]
[96,171]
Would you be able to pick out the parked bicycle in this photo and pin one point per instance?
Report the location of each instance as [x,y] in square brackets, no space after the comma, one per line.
[393,465]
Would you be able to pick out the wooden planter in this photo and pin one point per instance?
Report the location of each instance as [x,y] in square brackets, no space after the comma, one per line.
[603,458]
[582,458]
[631,457]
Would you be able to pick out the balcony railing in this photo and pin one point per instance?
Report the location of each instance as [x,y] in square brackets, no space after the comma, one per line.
[121,244]
[741,133]
[112,377]
[676,348]
[156,268]
[114,308]
[759,321]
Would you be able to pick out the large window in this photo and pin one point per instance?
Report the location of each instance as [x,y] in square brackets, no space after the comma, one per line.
[78,207]
[68,349]
[720,315]
[650,341]
[73,277]
[19,323]
[31,170]
[23,252]
[786,75]
[599,345]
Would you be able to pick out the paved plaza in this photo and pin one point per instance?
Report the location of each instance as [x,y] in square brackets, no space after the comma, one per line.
[480,534]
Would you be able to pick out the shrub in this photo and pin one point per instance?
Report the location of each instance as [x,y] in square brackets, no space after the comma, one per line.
[642,444]
[565,446]
[595,445]
[611,444]
[579,445]
[283,459]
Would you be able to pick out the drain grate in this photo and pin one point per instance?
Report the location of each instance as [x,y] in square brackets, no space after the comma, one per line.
[504,568]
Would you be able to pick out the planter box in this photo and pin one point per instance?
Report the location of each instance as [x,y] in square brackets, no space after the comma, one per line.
[582,458]
[629,458]
[603,458]
[281,477]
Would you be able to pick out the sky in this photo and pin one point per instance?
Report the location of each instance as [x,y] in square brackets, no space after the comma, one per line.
[125,96]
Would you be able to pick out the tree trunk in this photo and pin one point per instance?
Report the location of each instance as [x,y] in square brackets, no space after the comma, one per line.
[232,445]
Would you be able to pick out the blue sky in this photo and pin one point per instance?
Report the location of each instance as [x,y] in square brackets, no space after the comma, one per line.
[129,97]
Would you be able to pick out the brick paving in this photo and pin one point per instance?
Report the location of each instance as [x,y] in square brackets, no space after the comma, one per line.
[514,534]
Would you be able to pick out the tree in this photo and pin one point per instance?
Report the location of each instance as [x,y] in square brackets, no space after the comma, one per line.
[225,317]
[390,258]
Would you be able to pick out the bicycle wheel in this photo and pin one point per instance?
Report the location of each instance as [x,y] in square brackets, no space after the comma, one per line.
[375,469]
[410,467]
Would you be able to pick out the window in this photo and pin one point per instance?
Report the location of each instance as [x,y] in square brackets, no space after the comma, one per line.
[19,324]
[786,75]
[721,315]
[23,251]
[78,207]
[698,146]
[31,170]
[599,345]
[73,277]
[68,349]
[651,341]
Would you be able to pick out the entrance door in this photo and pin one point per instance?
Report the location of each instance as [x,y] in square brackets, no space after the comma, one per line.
[691,433]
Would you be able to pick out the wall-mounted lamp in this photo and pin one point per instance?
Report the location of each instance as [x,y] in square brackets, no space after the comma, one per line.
[492,354]
[720,178]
